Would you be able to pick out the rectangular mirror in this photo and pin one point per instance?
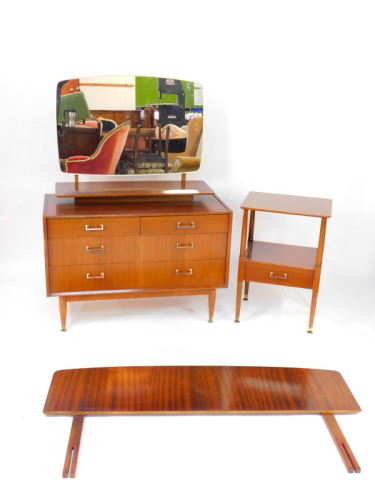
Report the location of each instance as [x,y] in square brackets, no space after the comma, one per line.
[129,125]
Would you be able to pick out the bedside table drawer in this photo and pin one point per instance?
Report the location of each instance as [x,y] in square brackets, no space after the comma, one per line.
[185,224]
[94,277]
[93,226]
[278,275]
[184,247]
[91,250]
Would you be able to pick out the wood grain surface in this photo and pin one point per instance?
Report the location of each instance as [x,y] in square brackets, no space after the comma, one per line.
[197,390]
[288,204]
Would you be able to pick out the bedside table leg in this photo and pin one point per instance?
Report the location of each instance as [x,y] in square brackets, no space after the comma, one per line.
[211,304]
[246,291]
[63,312]
[314,300]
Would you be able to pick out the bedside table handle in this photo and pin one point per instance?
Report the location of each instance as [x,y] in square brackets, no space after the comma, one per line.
[98,228]
[97,277]
[182,245]
[180,225]
[181,273]
[283,277]
[93,249]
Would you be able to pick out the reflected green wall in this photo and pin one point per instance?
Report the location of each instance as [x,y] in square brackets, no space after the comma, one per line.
[147,92]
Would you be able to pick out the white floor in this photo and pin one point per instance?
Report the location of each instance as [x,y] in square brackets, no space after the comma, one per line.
[183,457]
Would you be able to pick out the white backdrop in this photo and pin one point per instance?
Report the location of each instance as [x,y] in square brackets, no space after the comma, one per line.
[289,108]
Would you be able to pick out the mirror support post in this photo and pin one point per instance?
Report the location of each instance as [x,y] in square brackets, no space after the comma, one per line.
[76,182]
[183,181]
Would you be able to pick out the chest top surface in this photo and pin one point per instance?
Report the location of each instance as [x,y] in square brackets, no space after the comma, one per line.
[56,207]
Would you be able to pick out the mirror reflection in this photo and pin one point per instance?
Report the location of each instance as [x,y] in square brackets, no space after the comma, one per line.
[129,125]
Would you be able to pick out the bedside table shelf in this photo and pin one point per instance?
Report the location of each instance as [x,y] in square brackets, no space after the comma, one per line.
[276,263]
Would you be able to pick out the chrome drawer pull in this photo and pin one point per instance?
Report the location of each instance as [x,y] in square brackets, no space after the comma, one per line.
[181,273]
[98,277]
[189,245]
[98,228]
[93,249]
[283,277]
[180,225]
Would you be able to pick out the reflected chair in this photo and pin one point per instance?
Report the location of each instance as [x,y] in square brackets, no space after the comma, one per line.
[144,160]
[195,129]
[183,164]
[106,156]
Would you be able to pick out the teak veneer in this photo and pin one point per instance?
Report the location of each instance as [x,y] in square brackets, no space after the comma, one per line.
[280,264]
[147,239]
[197,390]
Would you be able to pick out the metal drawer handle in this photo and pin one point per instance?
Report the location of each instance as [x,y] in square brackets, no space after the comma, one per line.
[95,249]
[98,228]
[182,245]
[180,225]
[283,277]
[181,273]
[98,277]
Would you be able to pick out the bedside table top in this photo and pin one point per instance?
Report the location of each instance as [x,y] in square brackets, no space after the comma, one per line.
[288,204]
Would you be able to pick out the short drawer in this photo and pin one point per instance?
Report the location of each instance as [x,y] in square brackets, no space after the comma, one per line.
[278,275]
[91,250]
[184,247]
[182,274]
[184,224]
[94,277]
[90,226]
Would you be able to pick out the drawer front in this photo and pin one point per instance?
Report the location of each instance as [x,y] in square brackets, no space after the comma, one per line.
[93,226]
[183,274]
[186,224]
[184,247]
[94,277]
[278,275]
[92,250]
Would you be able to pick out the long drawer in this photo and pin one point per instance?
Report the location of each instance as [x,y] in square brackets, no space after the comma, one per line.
[90,226]
[278,275]
[187,224]
[115,250]
[136,275]
[91,250]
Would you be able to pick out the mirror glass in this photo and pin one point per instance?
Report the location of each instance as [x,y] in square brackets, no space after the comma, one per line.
[129,125]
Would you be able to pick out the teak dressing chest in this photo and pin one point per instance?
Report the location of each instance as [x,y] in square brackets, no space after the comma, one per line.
[137,239]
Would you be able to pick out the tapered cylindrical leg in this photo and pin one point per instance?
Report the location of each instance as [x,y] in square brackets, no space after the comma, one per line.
[63,312]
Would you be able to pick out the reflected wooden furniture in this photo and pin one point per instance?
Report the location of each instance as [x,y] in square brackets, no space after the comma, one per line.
[159,240]
[279,264]
[119,116]
[199,390]
[79,140]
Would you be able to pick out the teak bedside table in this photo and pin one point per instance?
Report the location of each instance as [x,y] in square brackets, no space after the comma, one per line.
[280,264]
